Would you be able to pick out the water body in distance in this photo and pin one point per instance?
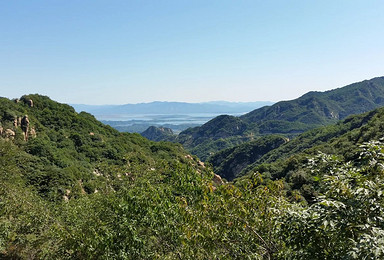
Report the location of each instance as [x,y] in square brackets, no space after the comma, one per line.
[139,123]
[175,115]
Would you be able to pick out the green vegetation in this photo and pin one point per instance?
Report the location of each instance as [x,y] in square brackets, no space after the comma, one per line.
[287,161]
[346,219]
[159,134]
[231,162]
[287,118]
[82,190]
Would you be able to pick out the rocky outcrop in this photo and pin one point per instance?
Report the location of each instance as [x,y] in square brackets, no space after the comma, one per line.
[24,124]
[217,179]
[15,122]
[26,100]
[32,132]
[30,102]
[66,195]
[9,134]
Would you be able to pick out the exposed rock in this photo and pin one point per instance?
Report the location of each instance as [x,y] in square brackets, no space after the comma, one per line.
[30,102]
[66,195]
[32,132]
[27,100]
[96,172]
[24,123]
[1,130]
[25,126]
[188,156]
[15,122]
[16,100]
[81,187]
[217,179]
[10,134]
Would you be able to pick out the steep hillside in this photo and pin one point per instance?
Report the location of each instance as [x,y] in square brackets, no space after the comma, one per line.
[71,151]
[324,107]
[288,118]
[73,188]
[288,160]
[335,139]
[230,162]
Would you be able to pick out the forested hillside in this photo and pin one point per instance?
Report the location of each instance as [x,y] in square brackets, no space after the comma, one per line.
[288,161]
[73,188]
[365,126]
[288,118]
[76,147]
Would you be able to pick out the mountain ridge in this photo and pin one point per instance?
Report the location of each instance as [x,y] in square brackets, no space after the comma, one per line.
[288,118]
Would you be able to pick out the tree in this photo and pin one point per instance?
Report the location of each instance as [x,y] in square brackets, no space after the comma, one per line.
[346,221]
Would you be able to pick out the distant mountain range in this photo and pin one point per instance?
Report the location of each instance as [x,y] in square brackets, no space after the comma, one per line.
[178,116]
[158,107]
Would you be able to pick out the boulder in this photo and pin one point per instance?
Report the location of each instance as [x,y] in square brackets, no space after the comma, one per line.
[30,102]
[24,123]
[217,179]
[15,122]
[32,132]
[10,134]
[25,126]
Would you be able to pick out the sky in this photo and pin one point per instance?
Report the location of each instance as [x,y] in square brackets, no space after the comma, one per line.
[118,52]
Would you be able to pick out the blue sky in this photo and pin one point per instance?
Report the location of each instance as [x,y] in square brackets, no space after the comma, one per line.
[116,52]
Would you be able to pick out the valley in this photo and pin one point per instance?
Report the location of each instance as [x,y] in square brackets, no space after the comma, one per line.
[191,130]
[74,188]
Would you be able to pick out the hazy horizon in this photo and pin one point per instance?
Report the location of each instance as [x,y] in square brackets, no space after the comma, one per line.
[166,101]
